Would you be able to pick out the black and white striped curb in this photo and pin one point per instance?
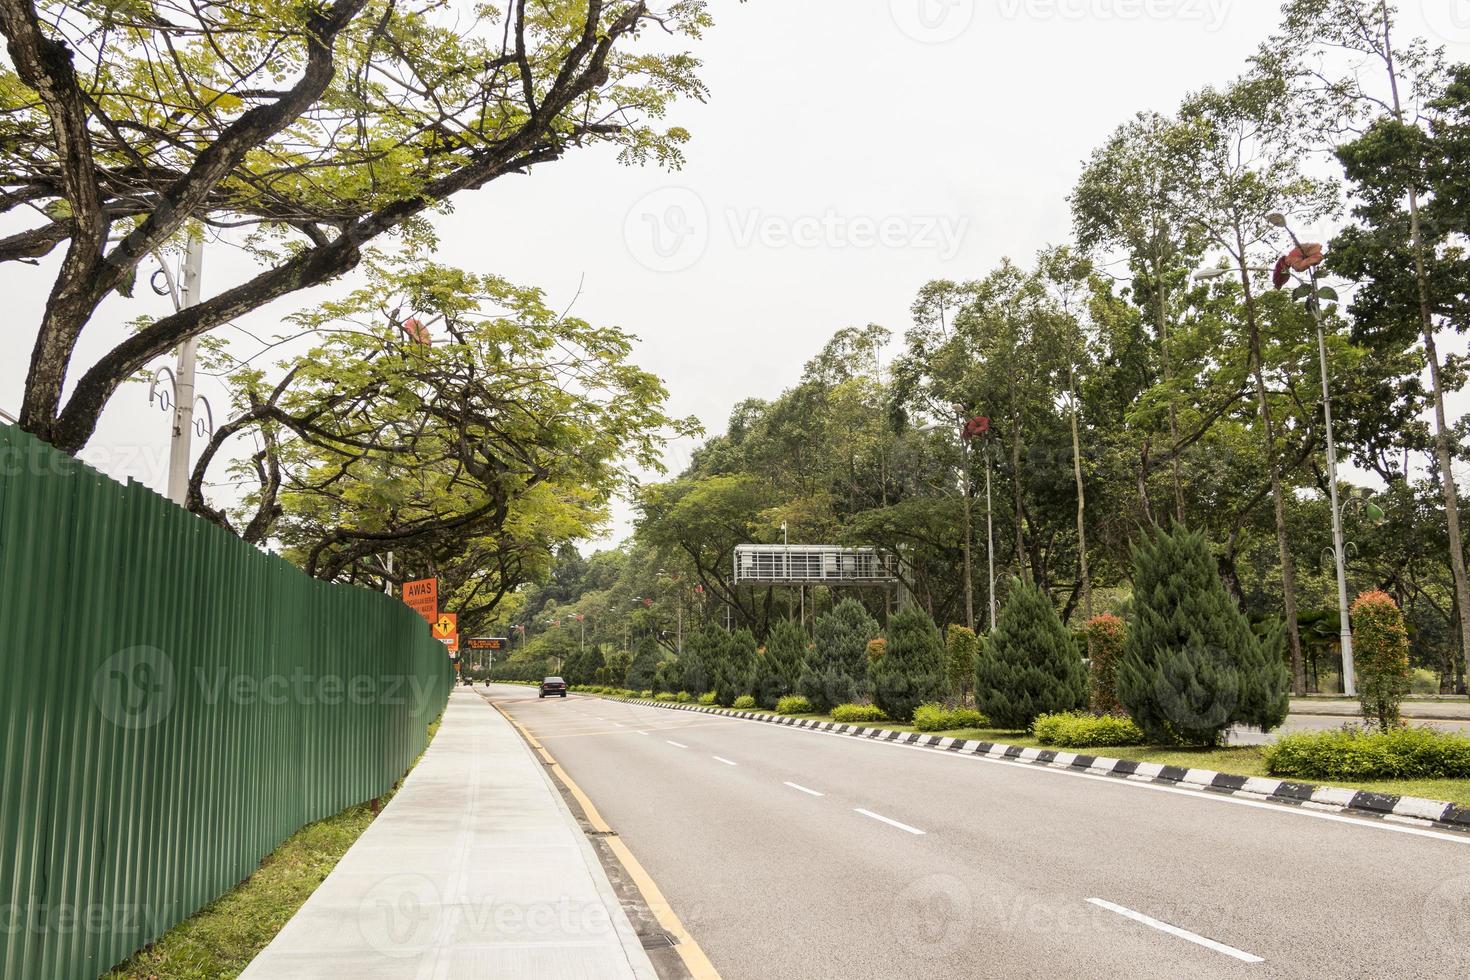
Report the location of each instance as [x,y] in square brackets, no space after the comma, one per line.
[1400,809]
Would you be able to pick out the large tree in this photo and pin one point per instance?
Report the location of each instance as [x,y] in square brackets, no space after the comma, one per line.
[319,127]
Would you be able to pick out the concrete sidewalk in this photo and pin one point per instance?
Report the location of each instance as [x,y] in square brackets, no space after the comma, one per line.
[475,869]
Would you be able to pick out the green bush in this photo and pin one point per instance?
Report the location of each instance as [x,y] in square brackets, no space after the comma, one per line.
[683,696]
[709,698]
[1191,666]
[938,718]
[838,662]
[664,696]
[781,665]
[794,704]
[744,701]
[1028,665]
[734,674]
[1106,636]
[962,649]
[850,714]
[645,695]
[1070,730]
[1381,647]
[1353,753]
[911,670]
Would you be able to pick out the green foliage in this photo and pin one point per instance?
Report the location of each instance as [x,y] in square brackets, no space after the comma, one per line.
[643,671]
[962,653]
[1349,754]
[1191,666]
[1381,655]
[744,701]
[794,704]
[1106,636]
[735,669]
[684,697]
[850,714]
[670,676]
[708,698]
[1070,730]
[911,670]
[782,663]
[838,663]
[664,696]
[1029,665]
[582,668]
[939,718]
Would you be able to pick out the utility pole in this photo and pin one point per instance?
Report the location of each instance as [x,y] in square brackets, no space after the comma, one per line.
[989,532]
[181,443]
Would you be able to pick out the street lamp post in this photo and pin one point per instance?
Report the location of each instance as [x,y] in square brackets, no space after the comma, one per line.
[1345,629]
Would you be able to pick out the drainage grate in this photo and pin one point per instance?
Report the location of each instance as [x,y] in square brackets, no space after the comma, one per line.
[659,940]
[602,833]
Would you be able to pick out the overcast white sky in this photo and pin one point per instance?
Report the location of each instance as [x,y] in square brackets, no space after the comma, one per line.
[851,150]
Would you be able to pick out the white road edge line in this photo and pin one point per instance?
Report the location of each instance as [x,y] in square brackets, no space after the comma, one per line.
[1281,808]
[642,733]
[809,792]
[1195,938]
[677,745]
[720,758]
[891,823]
[619,724]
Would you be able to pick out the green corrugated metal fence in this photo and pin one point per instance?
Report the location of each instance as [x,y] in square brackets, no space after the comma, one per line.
[173,704]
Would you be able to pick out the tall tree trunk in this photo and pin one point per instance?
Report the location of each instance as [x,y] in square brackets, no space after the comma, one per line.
[1163,325]
[1442,435]
[1023,567]
[969,534]
[1085,579]
[1273,465]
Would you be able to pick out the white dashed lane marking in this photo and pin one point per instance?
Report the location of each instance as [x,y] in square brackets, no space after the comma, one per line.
[892,823]
[809,792]
[1195,938]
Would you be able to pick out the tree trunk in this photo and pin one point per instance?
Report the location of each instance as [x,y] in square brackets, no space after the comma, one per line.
[1023,568]
[1086,580]
[1273,465]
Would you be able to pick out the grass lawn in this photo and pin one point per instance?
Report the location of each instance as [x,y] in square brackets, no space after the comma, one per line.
[222,938]
[1244,760]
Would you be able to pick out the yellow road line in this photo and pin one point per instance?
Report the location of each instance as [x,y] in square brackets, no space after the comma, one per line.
[695,961]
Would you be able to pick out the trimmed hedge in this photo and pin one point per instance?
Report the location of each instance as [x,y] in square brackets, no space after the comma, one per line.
[664,696]
[855,713]
[938,718]
[744,701]
[709,698]
[1071,730]
[1352,753]
[794,704]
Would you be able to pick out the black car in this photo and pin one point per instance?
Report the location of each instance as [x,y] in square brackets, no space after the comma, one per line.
[553,685]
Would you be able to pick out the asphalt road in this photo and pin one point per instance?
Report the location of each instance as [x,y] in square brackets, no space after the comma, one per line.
[790,853]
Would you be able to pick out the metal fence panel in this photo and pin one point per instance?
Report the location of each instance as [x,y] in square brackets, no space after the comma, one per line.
[173,704]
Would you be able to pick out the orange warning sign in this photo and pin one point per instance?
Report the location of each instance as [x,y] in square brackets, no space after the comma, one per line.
[446,631]
[422,595]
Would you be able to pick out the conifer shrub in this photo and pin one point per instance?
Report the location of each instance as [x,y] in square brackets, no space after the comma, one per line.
[644,666]
[911,671]
[1028,666]
[782,664]
[837,663]
[1381,655]
[1106,635]
[1191,666]
[734,671]
[853,714]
